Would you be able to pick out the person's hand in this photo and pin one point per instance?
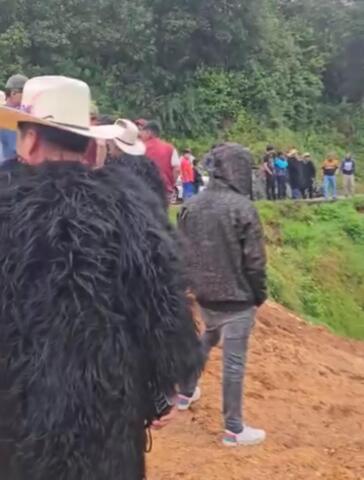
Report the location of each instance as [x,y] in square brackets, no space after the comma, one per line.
[164,421]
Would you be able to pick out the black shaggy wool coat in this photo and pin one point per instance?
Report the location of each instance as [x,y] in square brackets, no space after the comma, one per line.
[93,318]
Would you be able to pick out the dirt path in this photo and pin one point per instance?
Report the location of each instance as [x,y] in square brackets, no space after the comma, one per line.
[305,387]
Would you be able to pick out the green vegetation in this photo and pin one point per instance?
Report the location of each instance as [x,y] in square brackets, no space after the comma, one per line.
[258,71]
[316,261]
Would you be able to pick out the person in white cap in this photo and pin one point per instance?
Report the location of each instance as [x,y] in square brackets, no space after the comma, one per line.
[95,331]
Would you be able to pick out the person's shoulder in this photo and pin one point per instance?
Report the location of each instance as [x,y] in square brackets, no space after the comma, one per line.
[167,144]
[243,202]
[233,201]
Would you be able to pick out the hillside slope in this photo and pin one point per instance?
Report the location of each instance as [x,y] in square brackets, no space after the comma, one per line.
[316,262]
[305,386]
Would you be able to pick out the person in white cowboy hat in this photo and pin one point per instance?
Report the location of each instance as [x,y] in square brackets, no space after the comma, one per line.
[48,127]
[95,331]
[126,152]
[128,139]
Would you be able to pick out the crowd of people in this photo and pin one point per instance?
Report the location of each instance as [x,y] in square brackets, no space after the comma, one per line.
[98,337]
[293,175]
[98,291]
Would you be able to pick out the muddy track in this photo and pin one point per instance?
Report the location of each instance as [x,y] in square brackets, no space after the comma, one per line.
[305,387]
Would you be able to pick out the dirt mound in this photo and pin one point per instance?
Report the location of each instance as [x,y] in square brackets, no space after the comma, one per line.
[304,386]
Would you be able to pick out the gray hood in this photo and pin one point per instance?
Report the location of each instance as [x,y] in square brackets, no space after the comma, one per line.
[230,164]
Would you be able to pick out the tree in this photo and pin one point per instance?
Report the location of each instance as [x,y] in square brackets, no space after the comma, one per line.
[196,64]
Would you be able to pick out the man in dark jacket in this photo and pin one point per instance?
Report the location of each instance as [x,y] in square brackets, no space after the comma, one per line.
[226,261]
[95,328]
[269,172]
[296,172]
[310,175]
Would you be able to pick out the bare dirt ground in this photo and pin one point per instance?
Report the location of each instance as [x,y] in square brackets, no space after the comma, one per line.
[305,387]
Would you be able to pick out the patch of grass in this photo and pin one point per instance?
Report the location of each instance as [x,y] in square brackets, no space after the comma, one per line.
[316,262]
[172,213]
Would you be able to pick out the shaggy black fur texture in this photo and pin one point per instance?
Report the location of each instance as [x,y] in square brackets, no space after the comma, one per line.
[145,170]
[93,314]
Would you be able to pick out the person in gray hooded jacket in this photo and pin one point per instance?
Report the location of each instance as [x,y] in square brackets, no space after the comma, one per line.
[226,261]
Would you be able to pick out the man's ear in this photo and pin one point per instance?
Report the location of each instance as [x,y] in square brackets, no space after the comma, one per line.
[27,144]
[32,141]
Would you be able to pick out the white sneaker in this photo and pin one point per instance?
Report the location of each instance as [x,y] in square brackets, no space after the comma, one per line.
[184,403]
[249,436]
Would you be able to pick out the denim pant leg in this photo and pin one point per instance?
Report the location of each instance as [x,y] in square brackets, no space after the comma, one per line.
[209,340]
[327,186]
[236,333]
[281,182]
[296,194]
[333,186]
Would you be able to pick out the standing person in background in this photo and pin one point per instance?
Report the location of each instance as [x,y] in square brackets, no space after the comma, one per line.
[2,102]
[281,170]
[227,273]
[126,153]
[310,175]
[163,154]
[348,172]
[296,174]
[13,95]
[187,174]
[198,180]
[140,123]
[269,173]
[329,169]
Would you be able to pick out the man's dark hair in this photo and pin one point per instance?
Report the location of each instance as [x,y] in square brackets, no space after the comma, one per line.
[105,120]
[8,92]
[154,127]
[145,170]
[270,148]
[60,138]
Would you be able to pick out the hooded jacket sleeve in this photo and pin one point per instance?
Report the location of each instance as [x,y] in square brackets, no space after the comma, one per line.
[254,255]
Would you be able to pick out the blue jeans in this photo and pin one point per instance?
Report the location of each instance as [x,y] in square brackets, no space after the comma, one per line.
[234,329]
[188,190]
[282,187]
[296,194]
[330,186]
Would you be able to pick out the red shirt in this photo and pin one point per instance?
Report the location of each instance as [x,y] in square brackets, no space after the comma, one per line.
[187,174]
[161,153]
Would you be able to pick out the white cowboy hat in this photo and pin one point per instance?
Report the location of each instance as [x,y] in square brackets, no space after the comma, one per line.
[128,138]
[58,102]
[2,98]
